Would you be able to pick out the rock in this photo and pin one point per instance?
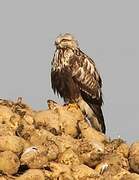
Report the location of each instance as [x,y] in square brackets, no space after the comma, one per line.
[25,127]
[58,143]
[134,157]
[5,114]
[90,133]
[91,152]
[113,166]
[65,142]
[123,149]
[129,176]
[32,174]
[9,162]
[42,137]
[116,159]
[60,171]
[11,143]
[34,157]
[59,119]
[48,119]
[3,178]
[69,116]
[83,172]
[69,157]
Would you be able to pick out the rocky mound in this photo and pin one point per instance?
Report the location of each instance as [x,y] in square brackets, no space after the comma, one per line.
[58,144]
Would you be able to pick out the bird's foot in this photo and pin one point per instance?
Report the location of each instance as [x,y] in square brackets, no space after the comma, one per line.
[72,106]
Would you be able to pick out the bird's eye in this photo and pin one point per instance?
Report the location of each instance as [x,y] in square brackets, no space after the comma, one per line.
[65,40]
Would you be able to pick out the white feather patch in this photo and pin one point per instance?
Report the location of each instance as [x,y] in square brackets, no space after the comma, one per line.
[90,66]
[82,73]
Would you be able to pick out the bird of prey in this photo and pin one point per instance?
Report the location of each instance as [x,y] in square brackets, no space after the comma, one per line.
[75,78]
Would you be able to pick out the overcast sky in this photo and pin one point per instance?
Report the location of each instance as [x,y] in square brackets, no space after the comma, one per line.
[107,31]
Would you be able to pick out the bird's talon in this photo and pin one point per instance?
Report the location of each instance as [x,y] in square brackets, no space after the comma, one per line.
[72,106]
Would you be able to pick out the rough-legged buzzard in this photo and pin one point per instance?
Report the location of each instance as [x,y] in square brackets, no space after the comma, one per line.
[75,78]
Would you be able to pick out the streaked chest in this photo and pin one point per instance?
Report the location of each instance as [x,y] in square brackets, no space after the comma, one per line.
[61,58]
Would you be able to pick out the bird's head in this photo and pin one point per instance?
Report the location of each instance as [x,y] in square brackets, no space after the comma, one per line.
[66,41]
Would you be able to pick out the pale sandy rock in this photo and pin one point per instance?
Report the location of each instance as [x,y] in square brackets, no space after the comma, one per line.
[3,178]
[90,133]
[91,152]
[116,159]
[42,137]
[29,119]
[83,172]
[14,121]
[9,162]
[11,143]
[48,119]
[48,140]
[26,144]
[25,128]
[112,172]
[65,142]
[117,146]
[6,130]
[5,114]
[9,119]
[59,119]
[34,157]
[22,109]
[69,157]
[32,174]
[112,165]
[134,157]
[52,151]
[61,144]
[129,176]
[7,177]
[59,171]
[123,149]
[48,174]
[69,116]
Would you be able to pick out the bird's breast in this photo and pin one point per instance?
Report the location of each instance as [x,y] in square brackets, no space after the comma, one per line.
[61,59]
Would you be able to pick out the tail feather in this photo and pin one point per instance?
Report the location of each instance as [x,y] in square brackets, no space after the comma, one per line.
[99,115]
[93,113]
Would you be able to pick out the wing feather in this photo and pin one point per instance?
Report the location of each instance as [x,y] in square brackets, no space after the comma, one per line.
[86,75]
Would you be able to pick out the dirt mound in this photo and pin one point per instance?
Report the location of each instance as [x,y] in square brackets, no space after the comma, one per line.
[58,143]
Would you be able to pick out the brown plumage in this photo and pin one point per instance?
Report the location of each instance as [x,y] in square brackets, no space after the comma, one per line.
[75,78]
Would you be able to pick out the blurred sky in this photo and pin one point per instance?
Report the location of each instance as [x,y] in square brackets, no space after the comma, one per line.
[107,31]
